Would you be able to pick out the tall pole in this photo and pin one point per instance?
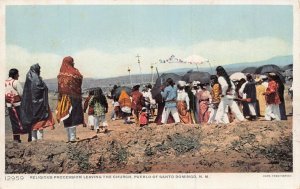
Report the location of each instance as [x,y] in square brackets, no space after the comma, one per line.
[151,74]
[129,76]
[139,62]
[211,72]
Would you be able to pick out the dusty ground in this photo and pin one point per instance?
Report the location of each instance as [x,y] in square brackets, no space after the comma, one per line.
[259,146]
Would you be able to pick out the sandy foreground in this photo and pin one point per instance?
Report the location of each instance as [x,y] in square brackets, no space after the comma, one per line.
[252,146]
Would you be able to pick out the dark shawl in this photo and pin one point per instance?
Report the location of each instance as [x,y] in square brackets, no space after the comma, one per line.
[34,104]
[250,90]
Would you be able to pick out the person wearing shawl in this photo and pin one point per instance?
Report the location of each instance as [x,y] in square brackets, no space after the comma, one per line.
[281,97]
[69,108]
[99,104]
[204,98]
[215,95]
[249,96]
[89,110]
[125,105]
[35,110]
[183,104]
[13,95]
[260,89]
[272,99]
[137,103]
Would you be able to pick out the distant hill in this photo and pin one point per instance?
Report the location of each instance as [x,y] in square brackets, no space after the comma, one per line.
[279,61]
[108,83]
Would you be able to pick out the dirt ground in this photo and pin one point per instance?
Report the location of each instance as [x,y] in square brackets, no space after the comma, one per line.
[257,146]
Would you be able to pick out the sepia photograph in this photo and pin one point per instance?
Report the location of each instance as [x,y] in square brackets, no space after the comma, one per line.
[137,94]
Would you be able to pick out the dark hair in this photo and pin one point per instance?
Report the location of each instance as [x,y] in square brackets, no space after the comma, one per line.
[249,77]
[136,87]
[214,79]
[91,92]
[239,85]
[99,96]
[170,81]
[13,72]
[180,87]
[222,72]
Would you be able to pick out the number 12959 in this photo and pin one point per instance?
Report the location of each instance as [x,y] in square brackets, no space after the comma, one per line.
[14,178]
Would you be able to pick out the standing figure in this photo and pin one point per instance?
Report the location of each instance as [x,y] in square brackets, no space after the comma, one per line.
[89,110]
[144,117]
[272,99]
[227,97]
[281,97]
[260,90]
[249,96]
[137,103]
[204,97]
[125,105]
[35,109]
[215,96]
[69,108]
[183,104]
[13,94]
[169,95]
[100,107]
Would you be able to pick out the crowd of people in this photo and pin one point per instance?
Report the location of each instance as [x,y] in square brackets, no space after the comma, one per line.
[219,101]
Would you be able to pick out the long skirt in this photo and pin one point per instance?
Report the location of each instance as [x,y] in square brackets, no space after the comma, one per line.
[184,115]
[76,116]
[203,112]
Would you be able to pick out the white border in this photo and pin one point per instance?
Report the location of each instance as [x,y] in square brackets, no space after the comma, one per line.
[215,180]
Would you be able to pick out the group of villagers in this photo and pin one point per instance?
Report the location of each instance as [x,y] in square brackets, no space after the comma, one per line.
[220,101]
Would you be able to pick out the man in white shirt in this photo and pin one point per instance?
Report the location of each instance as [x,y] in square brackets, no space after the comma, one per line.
[13,94]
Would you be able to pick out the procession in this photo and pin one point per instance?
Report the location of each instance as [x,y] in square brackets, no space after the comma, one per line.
[205,99]
[150,88]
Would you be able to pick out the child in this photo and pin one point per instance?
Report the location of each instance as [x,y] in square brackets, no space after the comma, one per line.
[89,110]
[99,103]
[144,117]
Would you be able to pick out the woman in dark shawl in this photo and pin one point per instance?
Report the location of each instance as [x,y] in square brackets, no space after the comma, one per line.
[35,110]
[281,97]
[69,108]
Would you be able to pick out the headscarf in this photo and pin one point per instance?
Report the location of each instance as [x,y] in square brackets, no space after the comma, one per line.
[69,78]
[35,104]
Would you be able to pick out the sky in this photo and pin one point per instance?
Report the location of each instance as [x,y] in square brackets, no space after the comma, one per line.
[104,40]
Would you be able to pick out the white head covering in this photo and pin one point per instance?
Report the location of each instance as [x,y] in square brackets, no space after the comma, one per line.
[181,83]
[196,83]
